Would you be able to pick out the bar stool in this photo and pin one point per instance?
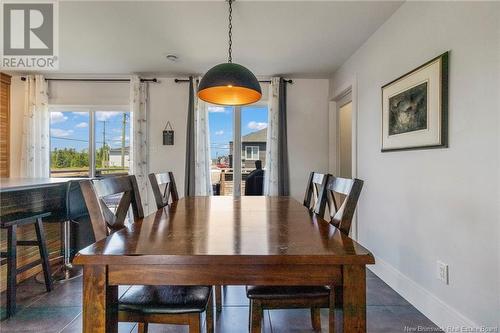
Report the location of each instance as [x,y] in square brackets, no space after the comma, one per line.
[75,209]
[11,222]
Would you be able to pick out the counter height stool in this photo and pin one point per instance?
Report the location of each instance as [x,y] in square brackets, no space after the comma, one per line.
[74,208]
[11,222]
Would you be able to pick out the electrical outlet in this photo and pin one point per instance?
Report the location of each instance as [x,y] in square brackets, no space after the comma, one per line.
[442,272]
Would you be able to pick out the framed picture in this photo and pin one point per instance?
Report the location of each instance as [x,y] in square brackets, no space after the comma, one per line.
[415,108]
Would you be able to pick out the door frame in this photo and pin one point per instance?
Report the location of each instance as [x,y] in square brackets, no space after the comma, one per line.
[346,93]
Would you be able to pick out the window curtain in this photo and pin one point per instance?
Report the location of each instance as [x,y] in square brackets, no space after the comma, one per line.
[203,183]
[198,177]
[35,155]
[276,176]
[189,180]
[139,95]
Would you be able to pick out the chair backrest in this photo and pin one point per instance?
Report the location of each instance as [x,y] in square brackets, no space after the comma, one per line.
[99,193]
[167,180]
[315,197]
[342,197]
[254,184]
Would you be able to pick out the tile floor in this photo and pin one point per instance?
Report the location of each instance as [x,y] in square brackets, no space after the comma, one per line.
[60,311]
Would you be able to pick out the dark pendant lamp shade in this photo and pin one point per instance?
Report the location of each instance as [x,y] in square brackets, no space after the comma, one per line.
[229,84]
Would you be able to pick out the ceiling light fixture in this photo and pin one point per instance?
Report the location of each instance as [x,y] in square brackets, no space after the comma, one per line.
[229,83]
[172,57]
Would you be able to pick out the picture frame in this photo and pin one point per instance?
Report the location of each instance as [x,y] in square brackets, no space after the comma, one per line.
[415,108]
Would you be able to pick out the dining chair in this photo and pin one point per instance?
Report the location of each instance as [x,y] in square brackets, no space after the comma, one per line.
[168,195]
[315,199]
[180,305]
[340,197]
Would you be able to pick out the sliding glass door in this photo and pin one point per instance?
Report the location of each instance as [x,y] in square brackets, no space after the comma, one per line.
[89,141]
[238,138]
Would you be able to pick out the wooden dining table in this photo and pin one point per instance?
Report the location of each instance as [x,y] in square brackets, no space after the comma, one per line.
[224,241]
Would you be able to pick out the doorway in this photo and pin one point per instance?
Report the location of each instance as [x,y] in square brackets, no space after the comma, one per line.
[344,153]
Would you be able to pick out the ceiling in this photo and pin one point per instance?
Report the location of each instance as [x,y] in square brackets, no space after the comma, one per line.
[294,38]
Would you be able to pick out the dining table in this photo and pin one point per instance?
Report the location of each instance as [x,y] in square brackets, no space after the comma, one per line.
[222,240]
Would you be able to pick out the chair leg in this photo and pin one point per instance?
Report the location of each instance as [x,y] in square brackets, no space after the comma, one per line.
[218,298]
[331,311]
[339,301]
[11,270]
[256,317]
[195,323]
[209,315]
[42,247]
[316,319]
[250,315]
[142,327]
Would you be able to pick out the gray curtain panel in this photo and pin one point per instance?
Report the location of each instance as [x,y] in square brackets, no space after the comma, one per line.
[189,179]
[283,174]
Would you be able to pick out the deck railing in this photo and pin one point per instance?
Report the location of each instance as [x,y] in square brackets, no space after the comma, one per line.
[225,180]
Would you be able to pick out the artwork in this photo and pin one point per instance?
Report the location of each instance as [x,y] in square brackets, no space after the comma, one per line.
[414,108]
[408,110]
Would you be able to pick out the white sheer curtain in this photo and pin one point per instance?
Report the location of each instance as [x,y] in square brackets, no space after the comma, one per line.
[35,158]
[203,184]
[139,95]
[271,175]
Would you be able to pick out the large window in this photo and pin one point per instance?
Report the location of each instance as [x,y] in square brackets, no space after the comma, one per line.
[236,134]
[89,142]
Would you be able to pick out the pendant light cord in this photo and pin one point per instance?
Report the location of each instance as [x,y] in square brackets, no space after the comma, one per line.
[230,50]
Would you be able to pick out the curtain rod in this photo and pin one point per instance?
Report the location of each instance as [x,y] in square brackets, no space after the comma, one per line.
[96,80]
[261,81]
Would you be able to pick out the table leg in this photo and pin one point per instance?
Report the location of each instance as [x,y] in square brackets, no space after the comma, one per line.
[100,301]
[354,297]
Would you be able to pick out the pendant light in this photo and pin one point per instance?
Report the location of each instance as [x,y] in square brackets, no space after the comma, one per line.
[229,83]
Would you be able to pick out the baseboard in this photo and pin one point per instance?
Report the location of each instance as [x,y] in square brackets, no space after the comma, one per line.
[442,314]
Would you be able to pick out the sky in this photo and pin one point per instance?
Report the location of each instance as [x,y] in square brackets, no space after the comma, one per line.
[71,129]
[253,118]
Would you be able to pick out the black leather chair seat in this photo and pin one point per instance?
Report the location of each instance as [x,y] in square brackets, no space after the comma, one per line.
[165,299]
[286,292]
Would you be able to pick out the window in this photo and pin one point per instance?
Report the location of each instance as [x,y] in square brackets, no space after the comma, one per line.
[251,153]
[236,134]
[89,142]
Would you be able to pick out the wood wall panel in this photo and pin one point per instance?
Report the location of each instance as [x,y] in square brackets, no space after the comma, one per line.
[4,125]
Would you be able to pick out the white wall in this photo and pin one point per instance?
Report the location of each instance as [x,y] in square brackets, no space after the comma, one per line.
[168,102]
[307,121]
[88,93]
[307,131]
[441,204]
